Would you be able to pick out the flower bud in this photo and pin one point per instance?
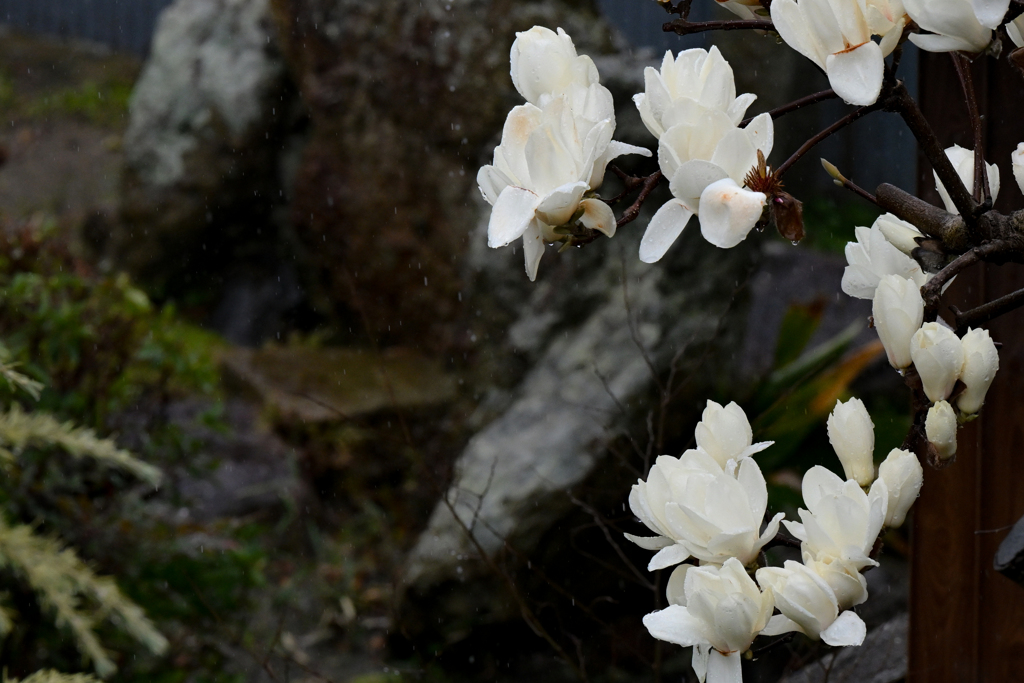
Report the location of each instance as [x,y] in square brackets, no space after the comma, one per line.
[940,428]
[981,361]
[1017,160]
[938,356]
[852,434]
[898,310]
[899,233]
[903,477]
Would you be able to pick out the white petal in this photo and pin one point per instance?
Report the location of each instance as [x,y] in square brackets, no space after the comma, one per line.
[856,75]
[561,203]
[650,542]
[675,589]
[533,249]
[666,557]
[990,13]
[491,182]
[729,213]
[937,43]
[598,216]
[662,231]
[692,178]
[848,629]
[780,624]
[724,668]
[699,661]
[675,624]
[762,133]
[511,216]
[735,154]
[793,29]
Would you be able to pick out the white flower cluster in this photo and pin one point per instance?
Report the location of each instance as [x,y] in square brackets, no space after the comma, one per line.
[881,269]
[554,149]
[691,106]
[708,505]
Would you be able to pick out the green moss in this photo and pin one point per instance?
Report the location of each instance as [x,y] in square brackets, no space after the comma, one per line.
[829,224]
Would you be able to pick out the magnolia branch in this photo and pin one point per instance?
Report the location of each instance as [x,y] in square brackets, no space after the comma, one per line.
[779,112]
[685,27]
[982,193]
[986,312]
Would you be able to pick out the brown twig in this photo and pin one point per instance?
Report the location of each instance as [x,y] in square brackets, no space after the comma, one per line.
[828,132]
[982,192]
[630,214]
[684,27]
[986,312]
[795,104]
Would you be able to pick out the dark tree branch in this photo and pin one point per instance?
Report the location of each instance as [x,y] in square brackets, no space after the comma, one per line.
[795,104]
[986,312]
[982,193]
[928,218]
[684,27]
[630,214]
[902,103]
[831,130]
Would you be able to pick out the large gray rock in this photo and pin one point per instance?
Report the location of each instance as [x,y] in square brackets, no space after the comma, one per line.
[203,147]
[881,659]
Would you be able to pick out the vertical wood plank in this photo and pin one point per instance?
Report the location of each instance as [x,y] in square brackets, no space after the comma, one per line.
[967,621]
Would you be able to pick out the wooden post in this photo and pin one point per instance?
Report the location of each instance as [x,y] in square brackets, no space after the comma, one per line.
[967,620]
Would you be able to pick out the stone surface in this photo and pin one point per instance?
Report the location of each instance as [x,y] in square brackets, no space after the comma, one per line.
[310,385]
[881,659]
[203,145]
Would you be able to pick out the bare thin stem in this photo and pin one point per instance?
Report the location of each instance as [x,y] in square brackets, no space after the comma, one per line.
[857,190]
[902,103]
[684,27]
[796,104]
[828,132]
[933,289]
[982,193]
[630,214]
[986,312]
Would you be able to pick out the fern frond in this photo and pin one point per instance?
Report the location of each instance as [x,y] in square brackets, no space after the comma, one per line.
[18,380]
[19,430]
[51,676]
[60,579]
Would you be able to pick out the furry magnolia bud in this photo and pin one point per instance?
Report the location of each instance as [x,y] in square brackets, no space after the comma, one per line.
[940,428]
[898,310]
[981,361]
[852,434]
[938,356]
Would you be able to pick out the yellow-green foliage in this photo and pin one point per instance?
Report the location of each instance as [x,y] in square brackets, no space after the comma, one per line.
[50,676]
[20,430]
[14,378]
[78,598]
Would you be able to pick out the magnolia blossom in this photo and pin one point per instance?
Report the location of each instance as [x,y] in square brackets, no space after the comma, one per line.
[898,311]
[965,25]
[841,521]
[837,37]
[1017,160]
[871,258]
[900,233]
[938,356]
[700,510]
[553,150]
[852,434]
[903,478]
[695,82]
[725,434]
[716,610]
[808,606]
[847,583]
[981,361]
[1015,31]
[940,428]
[963,162]
[691,106]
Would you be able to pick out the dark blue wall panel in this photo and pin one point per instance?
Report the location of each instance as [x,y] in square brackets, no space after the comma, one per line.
[121,24]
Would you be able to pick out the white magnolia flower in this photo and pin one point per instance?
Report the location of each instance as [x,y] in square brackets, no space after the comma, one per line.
[698,510]
[871,258]
[963,162]
[965,25]
[940,428]
[706,160]
[544,65]
[898,311]
[725,434]
[900,233]
[745,9]
[719,612]
[836,35]
[1017,160]
[808,606]
[938,356]
[852,434]
[841,521]
[849,585]
[688,85]
[903,478]
[1015,31]
[981,362]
